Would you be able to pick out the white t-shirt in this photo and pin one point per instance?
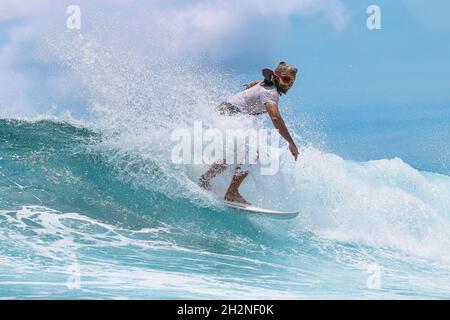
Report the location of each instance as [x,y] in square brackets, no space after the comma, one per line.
[253,100]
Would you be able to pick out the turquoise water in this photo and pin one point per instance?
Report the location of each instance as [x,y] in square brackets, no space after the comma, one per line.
[92,207]
[83,215]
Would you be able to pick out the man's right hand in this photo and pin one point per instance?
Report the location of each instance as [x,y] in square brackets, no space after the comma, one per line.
[294,151]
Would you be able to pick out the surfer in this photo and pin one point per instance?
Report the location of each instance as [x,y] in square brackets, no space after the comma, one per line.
[259,97]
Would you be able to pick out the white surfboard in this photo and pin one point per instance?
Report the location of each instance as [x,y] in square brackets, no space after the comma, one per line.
[252,209]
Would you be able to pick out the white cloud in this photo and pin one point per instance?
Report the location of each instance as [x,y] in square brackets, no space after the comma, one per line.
[14,9]
[217,23]
[221,28]
[18,28]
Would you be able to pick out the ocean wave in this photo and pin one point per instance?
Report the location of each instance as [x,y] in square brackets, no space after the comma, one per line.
[381,203]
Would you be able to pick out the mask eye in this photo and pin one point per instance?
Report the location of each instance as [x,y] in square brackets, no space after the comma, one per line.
[287,79]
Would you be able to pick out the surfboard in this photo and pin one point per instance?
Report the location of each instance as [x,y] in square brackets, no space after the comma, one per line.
[255,210]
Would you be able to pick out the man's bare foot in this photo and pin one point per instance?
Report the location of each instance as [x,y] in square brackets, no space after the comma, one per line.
[204,183]
[235,197]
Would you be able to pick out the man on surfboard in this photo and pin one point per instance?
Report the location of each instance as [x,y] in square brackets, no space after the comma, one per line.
[259,97]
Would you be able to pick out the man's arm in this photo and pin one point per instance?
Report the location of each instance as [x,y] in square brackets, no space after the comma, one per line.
[251,84]
[278,123]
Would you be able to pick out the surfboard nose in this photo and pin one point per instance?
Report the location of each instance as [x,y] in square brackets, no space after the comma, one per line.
[249,209]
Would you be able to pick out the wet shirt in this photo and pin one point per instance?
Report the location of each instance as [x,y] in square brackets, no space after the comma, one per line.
[252,101]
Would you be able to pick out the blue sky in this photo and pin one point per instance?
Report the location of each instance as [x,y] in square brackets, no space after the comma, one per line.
[342,63]
[405,62]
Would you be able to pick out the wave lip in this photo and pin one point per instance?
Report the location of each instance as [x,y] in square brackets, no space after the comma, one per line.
[382,203]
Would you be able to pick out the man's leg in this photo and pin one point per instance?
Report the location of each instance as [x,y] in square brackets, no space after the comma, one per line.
[233,190]
[214,170]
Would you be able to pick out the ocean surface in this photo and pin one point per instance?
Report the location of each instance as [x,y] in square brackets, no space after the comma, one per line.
[87,213]
[92,207]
